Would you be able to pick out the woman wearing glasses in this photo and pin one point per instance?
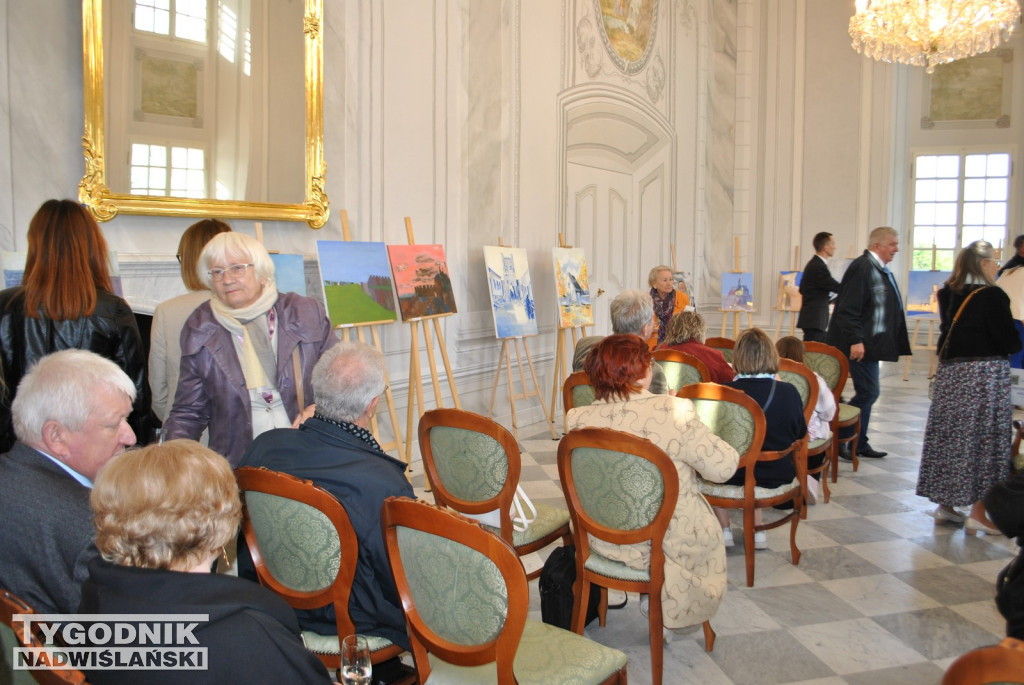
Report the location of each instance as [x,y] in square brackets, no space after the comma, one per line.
[240,351]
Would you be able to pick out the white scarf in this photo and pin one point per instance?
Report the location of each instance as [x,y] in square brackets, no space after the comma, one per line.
[244,323]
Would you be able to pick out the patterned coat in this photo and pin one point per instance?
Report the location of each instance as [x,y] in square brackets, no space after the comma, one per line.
[695,576]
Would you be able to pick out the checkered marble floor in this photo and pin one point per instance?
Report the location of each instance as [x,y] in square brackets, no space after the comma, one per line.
[883,594]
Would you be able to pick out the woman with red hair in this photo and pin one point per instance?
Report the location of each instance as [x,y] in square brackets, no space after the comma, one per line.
[620,372]
[66,301]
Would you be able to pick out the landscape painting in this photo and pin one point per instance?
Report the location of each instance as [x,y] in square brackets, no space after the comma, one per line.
[508,279]
[421,280]
[357,282]
[923,293]
[737,291]
[289,273]
[14,267]
[788,297]
[572,282]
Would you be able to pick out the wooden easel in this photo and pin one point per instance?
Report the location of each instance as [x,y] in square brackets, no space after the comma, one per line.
[792,312]
[735,313]
[415,402]
[930,346]
[562,368]
[506,357]
[352,331]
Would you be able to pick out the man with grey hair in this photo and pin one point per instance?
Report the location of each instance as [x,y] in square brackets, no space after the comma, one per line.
[335,450]
[868,326]
[70,416]
[632,312]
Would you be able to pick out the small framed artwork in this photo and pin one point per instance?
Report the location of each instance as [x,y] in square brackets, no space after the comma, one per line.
[357,282]
[168,88]
[572,283]
[975,92]
[737,291]
[421,280]
[923,293]
[788,298]
[508,280]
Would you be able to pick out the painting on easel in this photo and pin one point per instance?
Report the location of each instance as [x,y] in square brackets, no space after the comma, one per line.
[788,298]
[14,267]
[289,273]
[923,293]
[573,283]
[357,282]
[508,279]
[422,281]
[737,291]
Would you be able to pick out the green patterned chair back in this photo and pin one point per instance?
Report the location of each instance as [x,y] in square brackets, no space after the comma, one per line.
[825,361]
[583,395]
[297,542]
[617,489]
[798,382]
[681,368]
[723,345]
[458,592]
[729,413]
[471,466]
[577,391]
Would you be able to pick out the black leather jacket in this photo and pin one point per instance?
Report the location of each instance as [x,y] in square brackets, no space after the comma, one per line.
[109,331]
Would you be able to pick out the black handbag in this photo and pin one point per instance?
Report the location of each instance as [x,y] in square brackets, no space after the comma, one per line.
[556,598]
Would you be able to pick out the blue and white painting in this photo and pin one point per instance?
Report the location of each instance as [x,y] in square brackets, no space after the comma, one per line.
[289,273]
[737,291]
[923,293]
[572,286]
[14,268]
[508,279]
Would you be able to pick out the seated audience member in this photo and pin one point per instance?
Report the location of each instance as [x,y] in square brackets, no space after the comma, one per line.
[668,301]
[335,450]
[632,313]
[1004,504]
[686,333]
[757,362]
[791,347]
[163,515]
[620,370]
[70,416]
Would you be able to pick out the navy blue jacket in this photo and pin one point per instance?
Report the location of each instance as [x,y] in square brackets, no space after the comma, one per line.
[361,478]
[868,310]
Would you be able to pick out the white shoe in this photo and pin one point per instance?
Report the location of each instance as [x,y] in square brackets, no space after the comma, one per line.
[975,526]
[645,605]
[760,539]
[727,535]
[951,515]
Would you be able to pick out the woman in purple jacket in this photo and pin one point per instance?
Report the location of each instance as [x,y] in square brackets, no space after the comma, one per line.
[240,350]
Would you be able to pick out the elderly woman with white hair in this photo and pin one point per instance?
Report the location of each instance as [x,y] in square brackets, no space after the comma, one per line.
[247,355]
[668,301]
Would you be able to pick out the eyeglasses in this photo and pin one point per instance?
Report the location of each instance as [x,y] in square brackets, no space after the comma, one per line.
[236,271]
[998,263]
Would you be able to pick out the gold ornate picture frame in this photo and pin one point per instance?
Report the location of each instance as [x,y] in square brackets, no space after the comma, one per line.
[94,192]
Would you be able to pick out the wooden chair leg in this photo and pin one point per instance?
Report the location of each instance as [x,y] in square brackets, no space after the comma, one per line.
[581,588]
[826,493]
[748,543]
[834,449]
[794,550]
[853,446]
[602,607]
[709,637]
[657,637]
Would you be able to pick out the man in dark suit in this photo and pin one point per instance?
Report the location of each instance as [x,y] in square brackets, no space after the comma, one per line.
[816,288]
[70,416]
[335,450]
[868,324]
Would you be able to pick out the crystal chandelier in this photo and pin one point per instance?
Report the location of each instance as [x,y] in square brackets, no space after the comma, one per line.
[927,33]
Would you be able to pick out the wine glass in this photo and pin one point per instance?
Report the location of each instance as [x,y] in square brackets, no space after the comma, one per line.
[355,661]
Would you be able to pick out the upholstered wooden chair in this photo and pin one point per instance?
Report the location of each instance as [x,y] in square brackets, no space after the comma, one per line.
[13,634]
[577,391]
[621,489]
[681,368]
[738,419]
[803,379]
[1002,663]
[465,597]
[305,550]
[723,345]
[832,365]
[472,465]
